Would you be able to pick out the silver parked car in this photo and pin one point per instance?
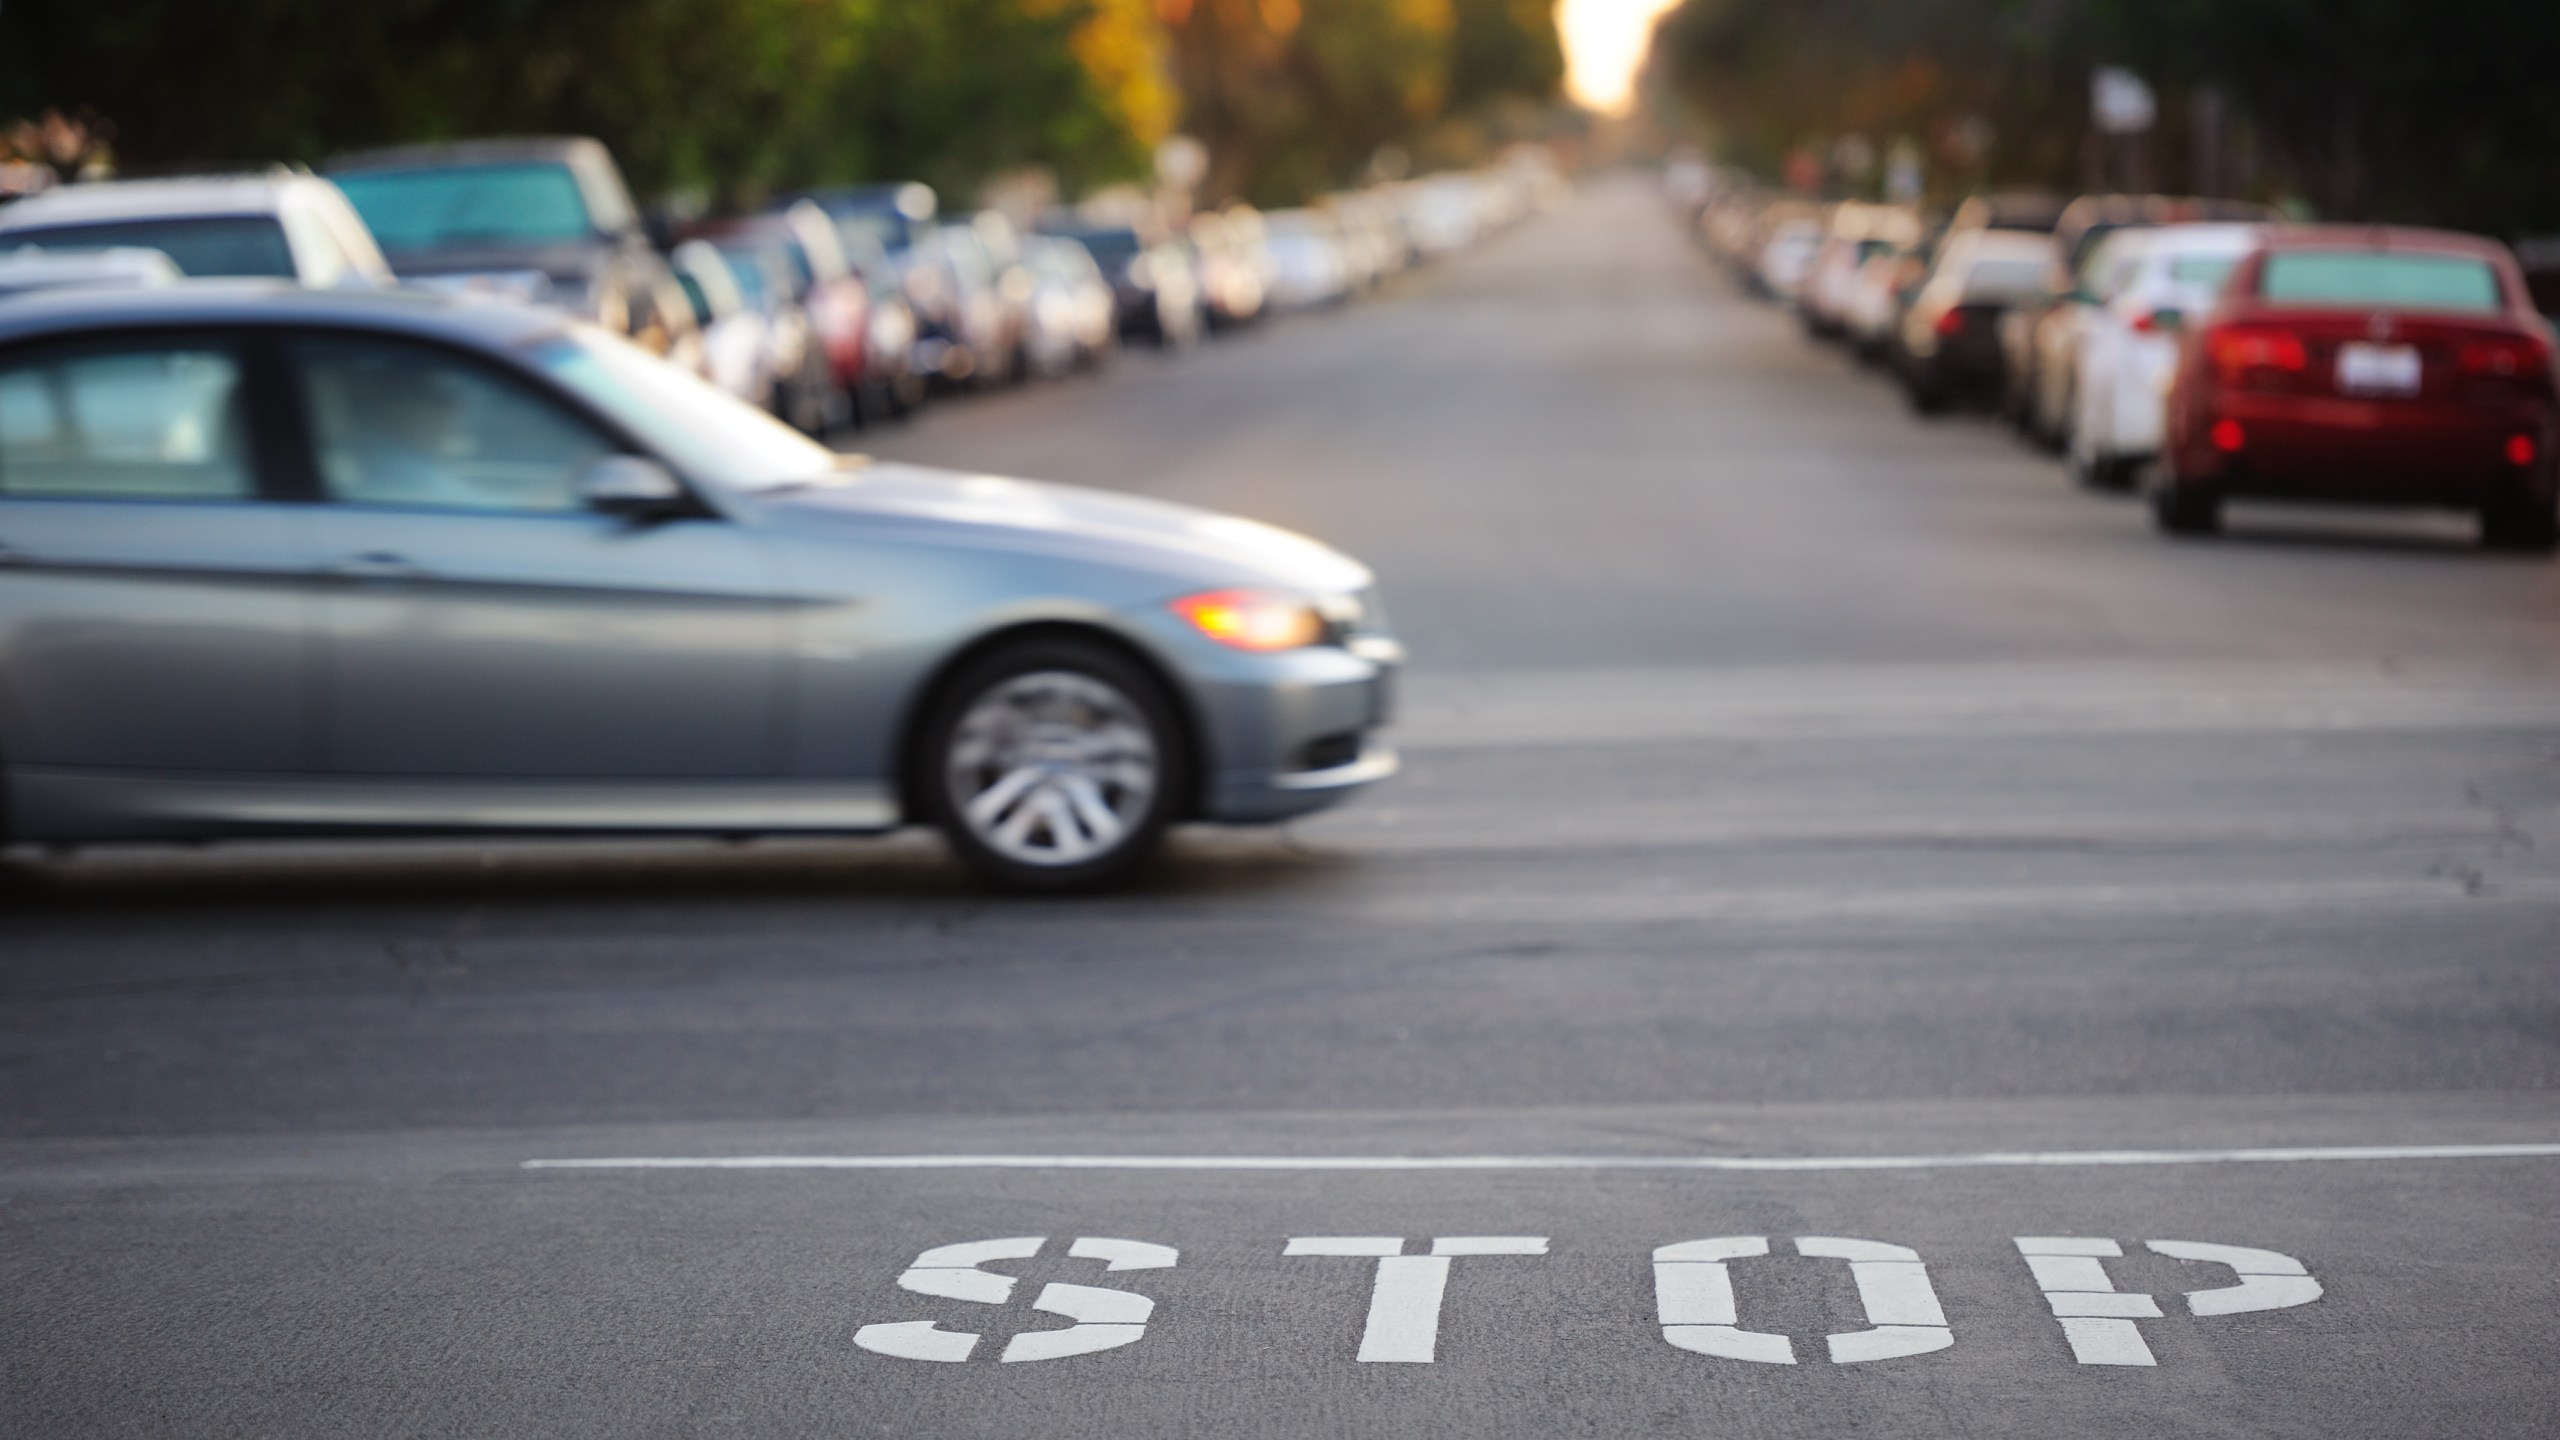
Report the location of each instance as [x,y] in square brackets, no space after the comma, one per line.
[277,561]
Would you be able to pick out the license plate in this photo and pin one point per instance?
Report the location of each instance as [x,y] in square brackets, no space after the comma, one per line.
[2378,369]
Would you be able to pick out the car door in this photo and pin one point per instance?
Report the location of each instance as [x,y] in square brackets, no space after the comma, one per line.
[482,621]
[155,601]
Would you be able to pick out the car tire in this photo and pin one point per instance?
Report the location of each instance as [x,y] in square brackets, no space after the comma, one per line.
[2520,523]
[2112,474]
[1925,398]
[2186,510]
[1053,766]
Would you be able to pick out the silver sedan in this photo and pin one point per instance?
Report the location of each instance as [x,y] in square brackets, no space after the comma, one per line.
[276,562]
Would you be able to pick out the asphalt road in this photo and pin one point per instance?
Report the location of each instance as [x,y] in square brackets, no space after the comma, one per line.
[1819,824]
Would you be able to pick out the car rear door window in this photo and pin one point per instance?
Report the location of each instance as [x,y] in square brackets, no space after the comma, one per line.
[214,245]
[409,425]
[2361,278]
[139,422]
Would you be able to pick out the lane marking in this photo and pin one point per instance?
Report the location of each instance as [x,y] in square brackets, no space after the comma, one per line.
[1987,1160]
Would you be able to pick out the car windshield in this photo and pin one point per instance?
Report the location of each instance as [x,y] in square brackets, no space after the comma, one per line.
[2381,277]
[749,268]
[210,245]
[1110,247]
[701,429]
[466,205]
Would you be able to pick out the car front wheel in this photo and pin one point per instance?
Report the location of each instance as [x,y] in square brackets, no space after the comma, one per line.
[1053,765]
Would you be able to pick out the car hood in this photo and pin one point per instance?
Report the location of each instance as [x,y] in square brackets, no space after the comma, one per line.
[1184,544]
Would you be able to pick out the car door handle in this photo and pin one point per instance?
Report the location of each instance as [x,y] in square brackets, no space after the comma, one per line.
[377,565]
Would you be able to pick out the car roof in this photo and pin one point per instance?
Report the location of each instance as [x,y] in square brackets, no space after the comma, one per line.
[465,152]
[471,320]
[2381,237]
[98,201]
[2005,245]
[2193,239]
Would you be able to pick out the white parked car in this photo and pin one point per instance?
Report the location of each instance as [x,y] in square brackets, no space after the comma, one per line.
[1787,258]
[1307,264]
[738,352]
[2150,285]
[283,224]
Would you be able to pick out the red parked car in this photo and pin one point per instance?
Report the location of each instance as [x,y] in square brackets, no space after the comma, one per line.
[835,299]
[2359,364]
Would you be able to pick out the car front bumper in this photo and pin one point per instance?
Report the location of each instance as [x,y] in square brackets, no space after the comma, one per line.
[1290,733]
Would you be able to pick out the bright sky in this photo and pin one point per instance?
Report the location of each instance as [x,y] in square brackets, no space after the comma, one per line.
[1604,44]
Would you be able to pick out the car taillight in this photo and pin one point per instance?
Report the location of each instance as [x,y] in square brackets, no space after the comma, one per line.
[2520,450]
[1950,322]
[2238,348]
[2227,436]
[2516,359]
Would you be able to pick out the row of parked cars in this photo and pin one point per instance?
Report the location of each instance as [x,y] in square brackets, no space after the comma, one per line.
[833,307]
[438,496]
[2196,350]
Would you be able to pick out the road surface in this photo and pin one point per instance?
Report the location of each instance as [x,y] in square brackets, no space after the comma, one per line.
[1851,896]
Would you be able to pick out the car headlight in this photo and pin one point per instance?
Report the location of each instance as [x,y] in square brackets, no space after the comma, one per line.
[1258,620]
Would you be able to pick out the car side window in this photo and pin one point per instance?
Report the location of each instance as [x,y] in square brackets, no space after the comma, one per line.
[409,425]
[148,421]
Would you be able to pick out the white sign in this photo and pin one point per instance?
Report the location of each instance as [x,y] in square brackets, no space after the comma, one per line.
[2119,102]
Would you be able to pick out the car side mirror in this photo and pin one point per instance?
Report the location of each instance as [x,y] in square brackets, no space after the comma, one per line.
[632,485]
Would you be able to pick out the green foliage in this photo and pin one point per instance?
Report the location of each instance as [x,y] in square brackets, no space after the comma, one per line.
[737,95]
[1297,97]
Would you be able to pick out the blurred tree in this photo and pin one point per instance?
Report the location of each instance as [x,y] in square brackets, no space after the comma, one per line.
[1297,97]
[2424,110]
[736,95]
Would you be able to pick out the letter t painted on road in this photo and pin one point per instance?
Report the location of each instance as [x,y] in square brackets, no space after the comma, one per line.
[1404,1304]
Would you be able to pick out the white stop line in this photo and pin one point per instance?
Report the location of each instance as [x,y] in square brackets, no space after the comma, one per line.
[1989,1159]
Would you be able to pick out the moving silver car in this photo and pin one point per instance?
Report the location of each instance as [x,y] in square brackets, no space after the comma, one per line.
[277,561]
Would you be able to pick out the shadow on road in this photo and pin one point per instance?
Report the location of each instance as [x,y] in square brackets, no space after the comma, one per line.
[1197,864]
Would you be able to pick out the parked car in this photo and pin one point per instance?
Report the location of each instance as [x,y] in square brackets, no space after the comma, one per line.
[892,212]
[30,268]
[985,323]
[284,223]
[833,299]
[1858,233]
[893,377]
[1875,294]
[803,385]
[365,564]
[2370,364]
[1307,268]
[738,351]
[2040,337]
[1947,340]
[1234,269]
[1786,257]
[1071,307]
[2156,280]
[1155,290]
[546,220]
